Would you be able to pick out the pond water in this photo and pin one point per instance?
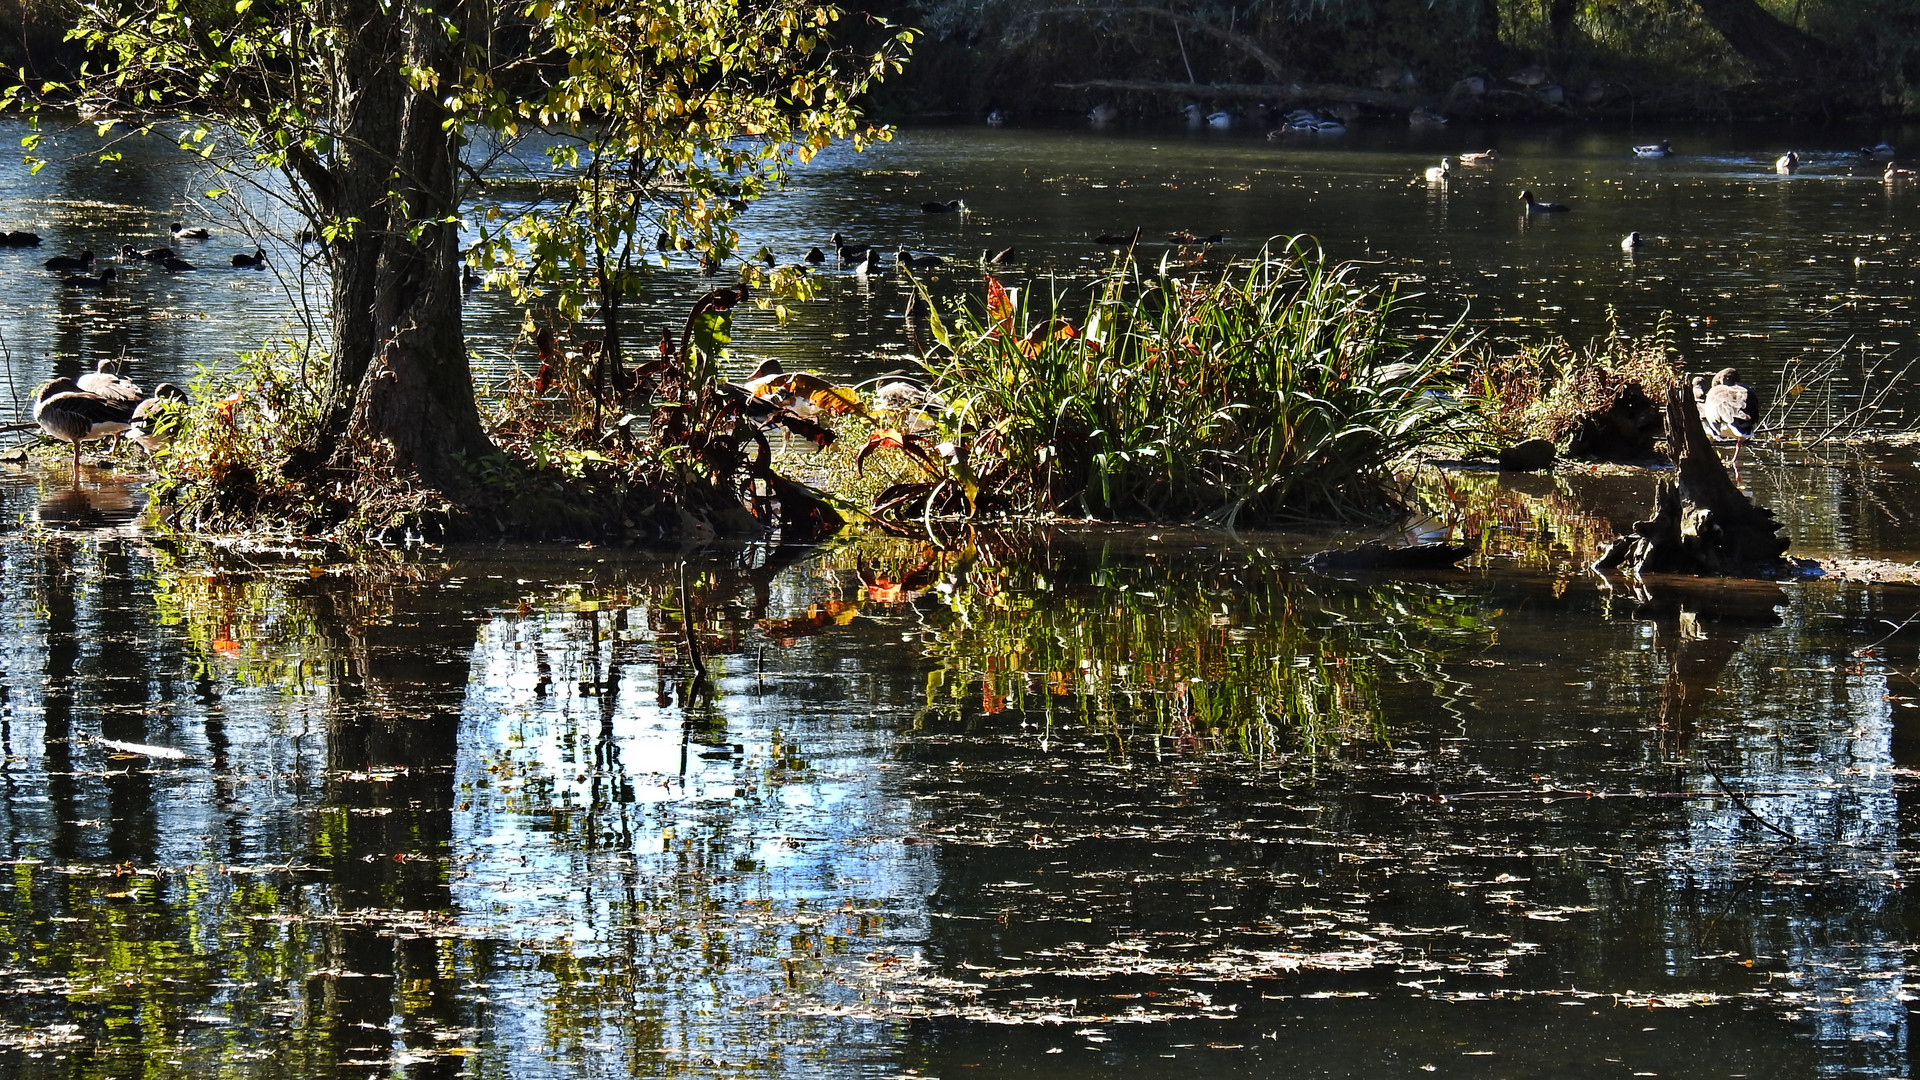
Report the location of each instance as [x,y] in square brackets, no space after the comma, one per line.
[1003,802]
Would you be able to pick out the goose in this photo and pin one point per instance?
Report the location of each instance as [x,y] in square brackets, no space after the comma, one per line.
[815,256]
[1878,150]
[20,239]
[1728,408]
[155,418]
[83,281]
[106,381]
[1787,163]
[70,262]
[1895,172]
[1484,157]
[911,261]
[849,252]
[182,232]
[1437,174]
[951,206]
[1535,206]
[258,261]
[1660,149]
[71,415]
[1633,242]
[1102,114]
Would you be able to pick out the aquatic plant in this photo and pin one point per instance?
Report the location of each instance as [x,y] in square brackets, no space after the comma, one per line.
[1274,391]
[1548,390]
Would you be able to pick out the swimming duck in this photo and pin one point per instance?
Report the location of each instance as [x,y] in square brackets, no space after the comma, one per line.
[258,261]
[1659,149]
[1437,174]
[951,206]
[177,265]
[997,258]
[1220,119]
[815,256]
[1484,157]
[134,254]
[916,262]
[1633,242]
[996,117]
[1878,150]
[71,415]
[1729,408]
[70,262]
[1193,114]
[20,239]
[1123,239]
[1185,236]
[82,281]
[1535,206]
[1787,163]
[1102,114]
[1895,172]
[869,262]
[182,232]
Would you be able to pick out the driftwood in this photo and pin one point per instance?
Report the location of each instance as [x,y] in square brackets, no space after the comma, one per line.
[1374,555]
[1702,523]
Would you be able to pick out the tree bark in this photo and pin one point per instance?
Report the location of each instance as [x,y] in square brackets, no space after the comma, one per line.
[400,391]
[1783,53]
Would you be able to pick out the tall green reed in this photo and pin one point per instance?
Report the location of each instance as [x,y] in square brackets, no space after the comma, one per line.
[1276,391]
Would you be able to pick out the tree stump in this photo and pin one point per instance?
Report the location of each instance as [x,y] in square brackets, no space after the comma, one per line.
[1702,524]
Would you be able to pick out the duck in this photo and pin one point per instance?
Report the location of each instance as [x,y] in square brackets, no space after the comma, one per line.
[1422,116]
[1484,157]
[1437,174]
[996,117]
[106,380]
[1193,114]
[1220,119]
[1663,148]
[869,262]
[815,256]
[70,262]
[1535,206]
[1121,239]
[1186,236]
[134,254]
[1102,114]
[1531,76]
[849,252]
[1729,408]
[182,232]
[1787,163]
[1633,242]
[71,415]
[951,206]
[910,261]
[997,258]
[470,279]
[177,265]
[155,418]
[258,261]
[1877,150]
[1551,93]
[1895,172]
[83,281]
[20,239]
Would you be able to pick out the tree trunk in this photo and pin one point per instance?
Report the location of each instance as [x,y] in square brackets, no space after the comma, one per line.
[1702,523]
[1782,53]
[400,392]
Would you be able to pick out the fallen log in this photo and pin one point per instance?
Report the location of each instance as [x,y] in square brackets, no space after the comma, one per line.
[1702,523]
[1374,555]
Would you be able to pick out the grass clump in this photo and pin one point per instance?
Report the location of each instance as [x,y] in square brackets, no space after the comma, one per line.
[1275,392]
[1565,394]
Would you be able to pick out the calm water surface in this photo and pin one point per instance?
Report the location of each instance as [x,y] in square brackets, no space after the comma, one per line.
[1025,804]
[1099,802]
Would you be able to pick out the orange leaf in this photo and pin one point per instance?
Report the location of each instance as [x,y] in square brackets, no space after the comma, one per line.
[999,305]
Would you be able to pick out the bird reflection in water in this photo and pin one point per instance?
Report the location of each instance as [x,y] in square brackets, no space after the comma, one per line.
[106,506]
